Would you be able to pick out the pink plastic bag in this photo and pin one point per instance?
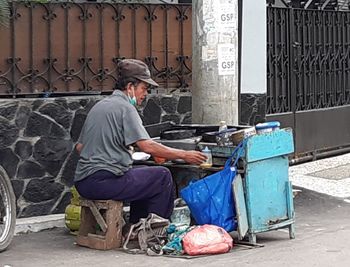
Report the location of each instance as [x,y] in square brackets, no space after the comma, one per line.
[207,239]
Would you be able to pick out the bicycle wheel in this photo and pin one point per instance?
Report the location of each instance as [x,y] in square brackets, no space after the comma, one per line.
[7,210]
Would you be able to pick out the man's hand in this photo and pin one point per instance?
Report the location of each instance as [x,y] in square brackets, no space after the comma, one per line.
[78,147]
[194,157]
[158,150]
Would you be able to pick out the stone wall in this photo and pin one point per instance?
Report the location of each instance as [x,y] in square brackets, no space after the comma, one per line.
[37,137]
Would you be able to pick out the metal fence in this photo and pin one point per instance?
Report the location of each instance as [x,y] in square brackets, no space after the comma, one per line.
[308,55]
[74,47]
[278,61]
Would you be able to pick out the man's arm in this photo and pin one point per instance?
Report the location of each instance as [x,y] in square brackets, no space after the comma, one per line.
[155,149]
[78,147]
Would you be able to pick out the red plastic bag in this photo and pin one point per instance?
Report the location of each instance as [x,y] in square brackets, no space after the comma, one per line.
[207,239]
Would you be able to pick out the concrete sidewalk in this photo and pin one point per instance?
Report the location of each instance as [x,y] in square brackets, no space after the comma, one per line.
[322,233]
[322,240]
[329,176]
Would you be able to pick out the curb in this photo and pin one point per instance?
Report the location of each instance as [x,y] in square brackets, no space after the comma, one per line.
[39,223]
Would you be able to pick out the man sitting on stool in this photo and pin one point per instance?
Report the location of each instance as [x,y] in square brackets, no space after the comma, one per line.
[105,171]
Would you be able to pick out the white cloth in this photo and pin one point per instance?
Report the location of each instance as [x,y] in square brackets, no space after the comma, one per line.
[140,156]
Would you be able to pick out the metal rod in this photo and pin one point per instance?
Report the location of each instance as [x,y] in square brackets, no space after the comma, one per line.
[275,50]
[307,4]
[150,40]
[182,56]
[13,49]
[66,29]
[320,155]
[325,4]
[86,12]
[101,43]
[133,26]
[285,3]
[166,47]
[31,46]
[50,89]
[117,35]
[292,55]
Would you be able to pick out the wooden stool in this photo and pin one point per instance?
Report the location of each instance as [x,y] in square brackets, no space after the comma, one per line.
[106,215]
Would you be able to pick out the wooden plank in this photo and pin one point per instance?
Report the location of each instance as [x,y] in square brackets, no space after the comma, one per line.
[100,204]
[112,236]
[95,243]
[96,236]
[241,210]
[98,216]
[88,221]
[114,216]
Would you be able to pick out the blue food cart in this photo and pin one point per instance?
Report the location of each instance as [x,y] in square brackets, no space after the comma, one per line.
[262,190]
[263,193]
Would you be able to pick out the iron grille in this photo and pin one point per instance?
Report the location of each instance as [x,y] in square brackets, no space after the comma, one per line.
[308,55]
[278,61]
[321,61]
[74,47]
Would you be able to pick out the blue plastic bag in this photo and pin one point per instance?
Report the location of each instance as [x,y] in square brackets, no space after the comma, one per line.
[211,199]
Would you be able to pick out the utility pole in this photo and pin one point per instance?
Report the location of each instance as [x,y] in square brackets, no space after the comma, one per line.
[215,61]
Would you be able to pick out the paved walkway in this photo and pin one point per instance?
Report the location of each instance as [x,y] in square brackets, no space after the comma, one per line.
[329,176]
[322,232]
[322,240]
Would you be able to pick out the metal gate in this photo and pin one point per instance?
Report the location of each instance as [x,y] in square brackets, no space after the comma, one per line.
[308,55]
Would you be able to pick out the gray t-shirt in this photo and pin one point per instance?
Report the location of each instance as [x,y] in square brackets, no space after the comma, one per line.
[110,127]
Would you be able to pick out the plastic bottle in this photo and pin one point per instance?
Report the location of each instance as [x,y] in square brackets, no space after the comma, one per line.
[209,162]
[222,139]
[181,216]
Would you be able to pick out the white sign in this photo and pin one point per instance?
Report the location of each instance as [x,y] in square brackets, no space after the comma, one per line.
[227,59]
[209,53]
[228,15]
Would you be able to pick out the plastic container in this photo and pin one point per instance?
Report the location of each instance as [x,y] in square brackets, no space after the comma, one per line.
[238,136]
[222,139]
[181,215]
[209,162]
[267,127]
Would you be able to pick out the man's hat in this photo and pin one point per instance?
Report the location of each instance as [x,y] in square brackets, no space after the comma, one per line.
[134,68]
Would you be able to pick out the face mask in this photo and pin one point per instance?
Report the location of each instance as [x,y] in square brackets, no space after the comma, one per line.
[132,100]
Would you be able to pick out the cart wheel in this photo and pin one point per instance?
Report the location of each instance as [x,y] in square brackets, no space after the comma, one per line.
[7,210]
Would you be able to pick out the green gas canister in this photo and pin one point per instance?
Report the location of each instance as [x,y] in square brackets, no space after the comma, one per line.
[72,212]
